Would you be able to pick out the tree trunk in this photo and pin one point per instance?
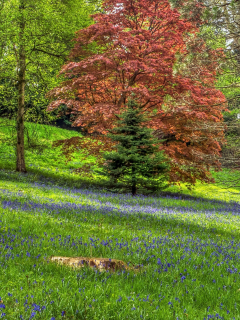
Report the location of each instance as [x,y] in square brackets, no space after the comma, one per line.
[134,185]
[21,99]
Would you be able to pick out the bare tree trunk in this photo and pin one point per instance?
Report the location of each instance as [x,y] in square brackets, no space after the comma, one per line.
[134,185]
[21,98]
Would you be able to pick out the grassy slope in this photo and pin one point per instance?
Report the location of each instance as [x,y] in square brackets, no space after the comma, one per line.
[188,246]
[51,163]
[48,162]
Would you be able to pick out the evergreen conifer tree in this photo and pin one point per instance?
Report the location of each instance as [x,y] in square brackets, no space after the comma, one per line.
[137,161]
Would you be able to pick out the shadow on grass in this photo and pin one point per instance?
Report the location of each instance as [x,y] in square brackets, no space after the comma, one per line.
[160,220]
[50,179]
[188,197]
[35,175]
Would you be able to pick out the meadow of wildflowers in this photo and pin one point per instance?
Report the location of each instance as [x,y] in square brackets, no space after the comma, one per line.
[188,247]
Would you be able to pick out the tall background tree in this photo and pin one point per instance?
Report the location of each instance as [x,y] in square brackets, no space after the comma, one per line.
[145,47]
[35,38]
[224,19]
[220,28]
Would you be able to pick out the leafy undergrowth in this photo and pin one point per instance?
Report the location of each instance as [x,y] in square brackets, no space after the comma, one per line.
[188,247]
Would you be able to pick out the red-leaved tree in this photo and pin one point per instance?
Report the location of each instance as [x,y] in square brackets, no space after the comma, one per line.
[145,48]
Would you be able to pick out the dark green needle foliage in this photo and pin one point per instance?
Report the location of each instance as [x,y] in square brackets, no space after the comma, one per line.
[137,163]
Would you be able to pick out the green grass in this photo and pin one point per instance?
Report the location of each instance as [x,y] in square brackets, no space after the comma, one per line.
[187,243]
[43,159]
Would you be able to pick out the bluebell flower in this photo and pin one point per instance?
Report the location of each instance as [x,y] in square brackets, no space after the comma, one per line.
[32,315]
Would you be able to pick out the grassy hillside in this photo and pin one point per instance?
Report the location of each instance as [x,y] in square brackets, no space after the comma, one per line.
[187,246]
[42,160]
[47,163]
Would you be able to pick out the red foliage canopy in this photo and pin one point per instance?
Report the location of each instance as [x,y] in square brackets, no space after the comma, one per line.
[145,48]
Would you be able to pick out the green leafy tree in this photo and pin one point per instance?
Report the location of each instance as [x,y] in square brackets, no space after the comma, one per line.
[137,161]
[35,39]
[220,29]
